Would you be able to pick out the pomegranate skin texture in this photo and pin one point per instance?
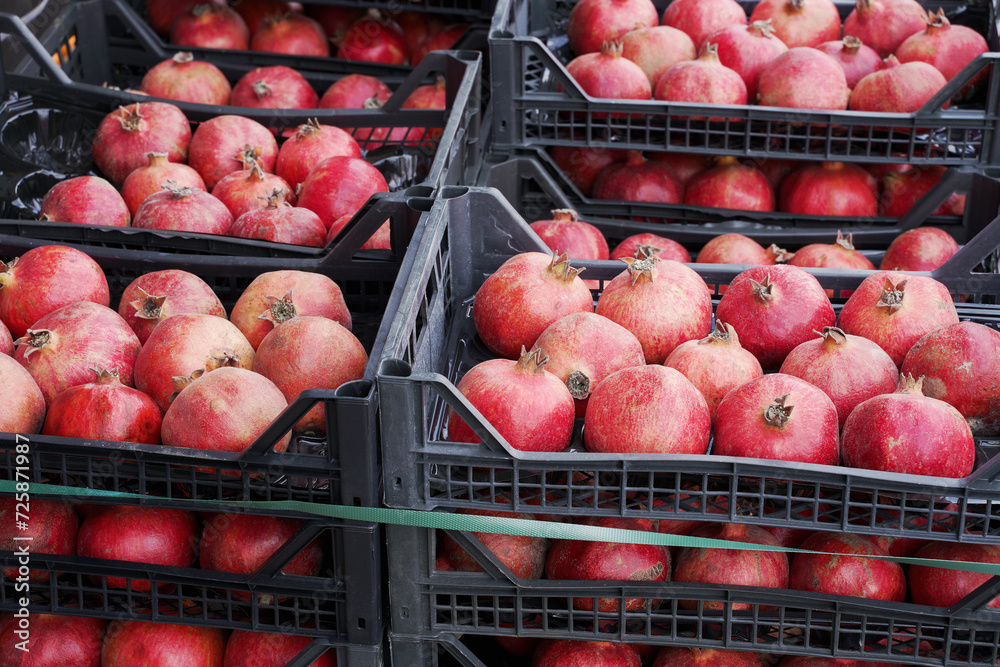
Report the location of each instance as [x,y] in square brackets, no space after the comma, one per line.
[607,74]
[657,49]
[525,556]
[292,34]
[920,249]
[838,573]
[223,144]
[583,165]
[803,78]
[249,190]
[126,135]
[339,186]
[702,81]
[55,640]
[885,24]
[730,185]
[85,200]
[311,144]
[837,255]
[565,232]
[858,60]
[897,87]
[566,652]
[24,411]
[639,179]
[52,530]
[594,22]
[275,87]
[211,26]
[737,249]
[153,297]
[907,432]
[104,409]
[130,643]
[683,656]
[937,587]
[830,188]
[947,47]
[150,179]
[183,210]
[646,244]
[800,22]
[902,190]
[748,50]
[182,79]
[702,18]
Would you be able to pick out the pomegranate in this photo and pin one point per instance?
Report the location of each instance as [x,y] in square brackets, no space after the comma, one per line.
[161,14]
[685,165]
[730,185]
[129,643]
[153,297]
[544,424]
[677,656]
[104,409]
[6,341]
[850,369]
[565,653]
[140,535]
[44,279]
[148,180]
[183,79]
[837,255]
[248,190]
[716,364]
[222,144]
[584,348]
[739,249]
[60,347]
[441,40]
[579,560]
[524,556]
[352,91]
[800,22]
[731,567]
[910,433]
[310,352]
[646,244]
[127,134]
[947,47]
[662,302]
[702,18]
[902,190]
[182,209]
[280,222]
[775,308]
[594,22]
[803,78]
[894,310]
[905,547]
[920,249]
[258,310]
[884,24]
[380,240]
[897,87]
[938,587]
[293,34]
[656,49]
[523,297]
[607,74]
[748,50]
[335,20]
[830,188]
[255,12]
[639,179]
[244,543]
[566,233]
[840,571]
[702,81]
[53,640]
[430,96]
[375,38]
[582,165]
[417,26]
[633,411]
[339,186]
[25,408]
[275,87]
[311,144]
[211,26]
[858,60]
[270,649]
[51,528]
[85,200]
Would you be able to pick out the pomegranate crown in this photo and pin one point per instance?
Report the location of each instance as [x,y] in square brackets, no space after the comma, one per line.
[611,48]
[723,333]
[560,266]
[851,43]
[182,57]
[35,339]
[907,385]
[892,296]
[105,375]
[130,118]
[763,290]
[780,254]
[533,361]
[279,309]
[308,128]
[147,306]
[764,28]
[276,199]
[261,89]
[565,215]
[938,20]
[847,243]
[834,335]
[641,266]
[176,190]
[778,412]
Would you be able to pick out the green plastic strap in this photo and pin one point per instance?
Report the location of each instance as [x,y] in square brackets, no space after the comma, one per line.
[488,524]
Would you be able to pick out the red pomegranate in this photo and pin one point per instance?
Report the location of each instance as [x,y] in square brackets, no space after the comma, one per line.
[800,22]
[775,308]
[920,249]
[639,179]
[678,656]
[429,96]
[129,643]
[895,309]
[340,186]
[897,87]
[161,14]
[280,222]
[51,528]
[702,81]
[275,87]
[127,134]
[59,348]
[837,255]
[311,144]
[584,348]
[850,369]
[947,47]
[335,20]
[104,409]
[255,12]
[293,34]
[656,49]
[153,297]
[803,78]
[566,653]
[375,38]
[25,408]
[858,60]
[582,165]
[525,556]
[6,341]
[150,179]
[353,91]
[685,165]
[830,188]
[902,190]
[907,432]
[733,567]
[594,22]
[884,24]
[85,200]
[417,26]
[730,185]
[211,26]
[739,249]
[183,79]
[270,649]
[938,587]
[607,74]
[183,209]
[442,40]
[380,240]
[565,233]
[222,144]
[716,364]
[748,50]
[633,411]
[700,18]
[646,244]
[250,189]
[53,639]
[843,570]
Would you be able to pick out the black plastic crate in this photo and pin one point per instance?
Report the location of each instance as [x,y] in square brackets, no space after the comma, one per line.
[449,651]
[433,342]
[529,50]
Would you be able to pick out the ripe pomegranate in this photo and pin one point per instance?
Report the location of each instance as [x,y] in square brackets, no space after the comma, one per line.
[594,22]
[897,87]
[682,656]
[702,81]
[25,408]
[884,24]
[701,19]
[894,310]
[607,74]
[639,179]
[183,79]
[211,26]
[523,297]
[902,190]
[259,310]
[85,200]
[430,96]
[582,165]
[837,255]
[255,12]
[222,145]
[730,185]
[525,556]
[748,50]
[920,249]
[52,529]
[775,308]
[938,587]
[850,369]
[6,341]
[584,348]
[716,364]
[161,14]
[803,78]
[150,179]
[544,424]
[270,649]
[293,34]
[104,409]
[153,297]
[858,60]
[140,535]
[442,40]
[830,188]
[947,47]
[646,244]
[633,411]
[335,20]
[339,186]
[275,87]
[840,571]
[60,347]
[417,26]
[609,561]
[183,210]
[53,640]
[565,652]
[662,302]
[375,38]
[732,567]
[127,134]
[800,22]
[566,233]
[280,222]
[909,433]
[656,49]
[352,91]
[311,144]
[248,190]
[739,249]
[128,643]
[685,165]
